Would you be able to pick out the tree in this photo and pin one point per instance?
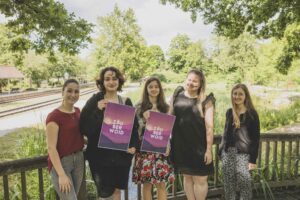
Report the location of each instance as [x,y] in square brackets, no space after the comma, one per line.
[7,57]
[237,57]
[291,49]
[177,52]
[264,19]
[120,43]
[64,64]
[156,56]
[195,57]
[35,68]
[45,26]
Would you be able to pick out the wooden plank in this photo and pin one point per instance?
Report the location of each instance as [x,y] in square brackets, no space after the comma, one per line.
[23,185]
[5,187]
[56,196]
[267,153]
[16,166]
[259,154]
[139,192]
[82,195]
[282,160]
[289,160]
[297,157]
[41,184]
[280,136]
[126,194]
[174,187]
[216,174]
[274,160]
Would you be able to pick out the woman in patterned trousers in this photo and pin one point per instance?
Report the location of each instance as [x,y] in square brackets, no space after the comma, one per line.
[239,147]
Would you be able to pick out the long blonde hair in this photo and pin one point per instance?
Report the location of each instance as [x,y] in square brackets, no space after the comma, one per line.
[248,103]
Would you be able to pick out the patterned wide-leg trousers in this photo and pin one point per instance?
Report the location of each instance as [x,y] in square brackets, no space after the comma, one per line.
[236,174]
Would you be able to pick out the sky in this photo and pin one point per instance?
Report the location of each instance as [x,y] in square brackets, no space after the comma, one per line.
[159,23]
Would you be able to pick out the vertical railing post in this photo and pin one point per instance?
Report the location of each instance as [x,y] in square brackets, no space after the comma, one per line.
[275,167]
[139,191]
[267,153]
[41,184]
[282,160]
[126,194]
[216,174]
[23,183]
[6,188]
[297,161]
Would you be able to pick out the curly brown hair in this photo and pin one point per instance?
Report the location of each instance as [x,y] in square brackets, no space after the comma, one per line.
[119,75]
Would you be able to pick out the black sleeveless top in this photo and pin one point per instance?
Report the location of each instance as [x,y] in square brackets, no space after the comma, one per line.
[189,136]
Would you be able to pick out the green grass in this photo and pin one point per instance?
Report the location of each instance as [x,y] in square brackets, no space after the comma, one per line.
[22,143]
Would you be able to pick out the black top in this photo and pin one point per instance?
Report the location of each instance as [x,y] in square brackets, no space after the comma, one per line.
[91,119]
[188,144]
[245,138]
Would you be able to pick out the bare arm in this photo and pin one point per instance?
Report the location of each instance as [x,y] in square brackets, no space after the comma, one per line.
[171,109]
[209,124]
[52,135]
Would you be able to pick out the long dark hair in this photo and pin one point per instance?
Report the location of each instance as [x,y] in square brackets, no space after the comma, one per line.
[162,106]
[248,103]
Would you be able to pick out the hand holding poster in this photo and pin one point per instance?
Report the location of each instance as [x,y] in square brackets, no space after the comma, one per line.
[157,133]
[116,127]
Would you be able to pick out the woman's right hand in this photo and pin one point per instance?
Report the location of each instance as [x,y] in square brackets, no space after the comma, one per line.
[64,183]
[102,104]
[146,115]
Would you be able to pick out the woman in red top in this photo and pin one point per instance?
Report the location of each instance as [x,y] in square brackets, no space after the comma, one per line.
[65,144]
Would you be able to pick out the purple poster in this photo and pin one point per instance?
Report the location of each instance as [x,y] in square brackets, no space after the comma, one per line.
[157,133]
[116,127]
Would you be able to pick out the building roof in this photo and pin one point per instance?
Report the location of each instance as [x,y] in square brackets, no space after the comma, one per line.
[10,72]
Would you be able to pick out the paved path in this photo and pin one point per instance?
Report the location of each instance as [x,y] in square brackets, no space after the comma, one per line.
[293,128]
[38,116]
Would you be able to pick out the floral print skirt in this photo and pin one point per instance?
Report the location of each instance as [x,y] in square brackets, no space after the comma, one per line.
[152,168]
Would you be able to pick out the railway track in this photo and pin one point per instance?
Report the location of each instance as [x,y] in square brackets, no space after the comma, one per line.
[30,95]
[21,109]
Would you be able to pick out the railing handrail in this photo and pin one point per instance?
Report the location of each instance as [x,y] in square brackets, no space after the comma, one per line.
[40,162]
[25,164]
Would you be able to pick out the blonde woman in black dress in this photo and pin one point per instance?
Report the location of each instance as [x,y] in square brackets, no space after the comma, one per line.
[192,139]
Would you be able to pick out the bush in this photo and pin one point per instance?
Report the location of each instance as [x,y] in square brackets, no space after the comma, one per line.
[169,76]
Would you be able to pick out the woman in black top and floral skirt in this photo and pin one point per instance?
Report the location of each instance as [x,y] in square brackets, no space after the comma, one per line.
[192,139]
[239,147]
[152,168]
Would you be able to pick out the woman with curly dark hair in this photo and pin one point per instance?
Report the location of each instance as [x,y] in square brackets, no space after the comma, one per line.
[109,168]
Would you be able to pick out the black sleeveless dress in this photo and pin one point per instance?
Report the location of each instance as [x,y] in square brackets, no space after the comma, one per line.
[188,144]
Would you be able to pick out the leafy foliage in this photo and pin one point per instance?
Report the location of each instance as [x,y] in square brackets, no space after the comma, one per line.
[236,57]
[177,52]
[264,19]
[7,57]
[120,43]
[45,26]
